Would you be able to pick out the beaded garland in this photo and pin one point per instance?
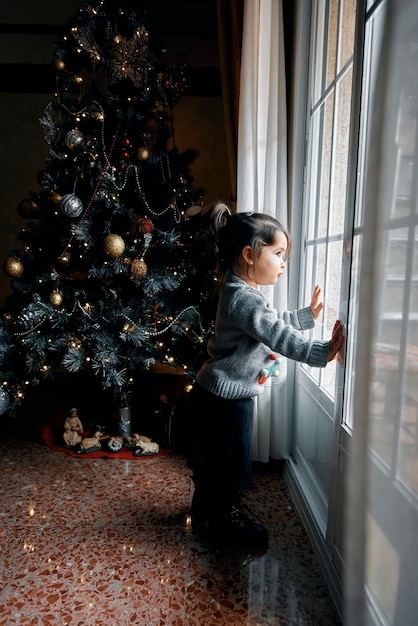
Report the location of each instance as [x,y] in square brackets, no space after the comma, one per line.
[71,205]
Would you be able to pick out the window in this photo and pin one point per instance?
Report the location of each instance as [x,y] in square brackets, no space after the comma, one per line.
[394,409]
[361,170]
[328,150]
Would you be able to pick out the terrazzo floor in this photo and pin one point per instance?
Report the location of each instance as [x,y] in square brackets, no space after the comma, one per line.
[107,542]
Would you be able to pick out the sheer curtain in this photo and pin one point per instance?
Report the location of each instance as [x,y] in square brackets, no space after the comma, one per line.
[262,179]
[381,517]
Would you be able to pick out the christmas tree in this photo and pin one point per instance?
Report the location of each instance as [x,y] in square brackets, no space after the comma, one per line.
[111,273]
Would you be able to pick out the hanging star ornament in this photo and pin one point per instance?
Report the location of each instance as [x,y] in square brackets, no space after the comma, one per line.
[131,57]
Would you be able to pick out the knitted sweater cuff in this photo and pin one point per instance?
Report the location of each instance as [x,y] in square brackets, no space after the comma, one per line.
[318,356]
[305,318]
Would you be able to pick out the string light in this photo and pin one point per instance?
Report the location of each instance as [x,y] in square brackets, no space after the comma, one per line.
[90,165]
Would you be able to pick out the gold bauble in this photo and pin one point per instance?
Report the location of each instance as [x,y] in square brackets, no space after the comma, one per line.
[113,245]
[138,269]
[27,208]
[56,298]
[143,153]
[14,267]
[59,64]
[55,197]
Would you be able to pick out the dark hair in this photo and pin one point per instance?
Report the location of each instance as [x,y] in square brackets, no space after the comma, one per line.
[231,232]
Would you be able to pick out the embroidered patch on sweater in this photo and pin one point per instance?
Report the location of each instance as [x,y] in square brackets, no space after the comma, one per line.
[273,370]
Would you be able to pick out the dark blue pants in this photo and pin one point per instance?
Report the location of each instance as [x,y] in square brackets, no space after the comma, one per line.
[222,449]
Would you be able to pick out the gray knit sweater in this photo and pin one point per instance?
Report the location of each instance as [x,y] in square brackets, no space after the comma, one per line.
[248,334]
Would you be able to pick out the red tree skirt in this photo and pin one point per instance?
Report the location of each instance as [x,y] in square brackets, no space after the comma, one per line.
[124,453]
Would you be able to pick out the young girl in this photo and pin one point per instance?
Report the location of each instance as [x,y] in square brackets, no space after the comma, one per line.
[249,335]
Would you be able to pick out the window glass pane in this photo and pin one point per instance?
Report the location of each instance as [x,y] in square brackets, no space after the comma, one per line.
[314,174]
[388,351]
[393,282]
[407,458]
[327,111]
[362,150]
[319,277]
[351,345]
[408,440]
[403,186]
[415,271]
[332,306]
[340,156]
[318,76]
[321,260]
[372,44]
[348,23]
[404,154]
[332,286]
[315,264]
[394,424]
[332,41]
[327,163]
[382,410]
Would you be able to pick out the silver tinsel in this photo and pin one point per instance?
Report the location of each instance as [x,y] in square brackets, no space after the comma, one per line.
[51,131]
[4,401]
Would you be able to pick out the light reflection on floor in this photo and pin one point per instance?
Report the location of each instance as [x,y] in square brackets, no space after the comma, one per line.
[107,542]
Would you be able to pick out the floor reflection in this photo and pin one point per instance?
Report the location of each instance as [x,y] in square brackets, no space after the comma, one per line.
[108,541]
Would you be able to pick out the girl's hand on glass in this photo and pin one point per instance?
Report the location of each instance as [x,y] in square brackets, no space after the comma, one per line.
[336,342]
[317,303]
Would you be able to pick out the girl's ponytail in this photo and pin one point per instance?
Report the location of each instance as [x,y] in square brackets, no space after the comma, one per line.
[216,217]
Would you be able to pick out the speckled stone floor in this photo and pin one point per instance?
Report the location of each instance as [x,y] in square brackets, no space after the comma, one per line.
[107,542]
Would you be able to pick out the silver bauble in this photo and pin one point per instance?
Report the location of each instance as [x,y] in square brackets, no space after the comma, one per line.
[71,205]
[74,138]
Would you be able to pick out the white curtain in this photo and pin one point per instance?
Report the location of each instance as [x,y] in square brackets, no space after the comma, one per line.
[381,517]
[262,179]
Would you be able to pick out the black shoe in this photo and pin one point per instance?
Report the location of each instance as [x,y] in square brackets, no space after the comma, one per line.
[234,527]
[200,511]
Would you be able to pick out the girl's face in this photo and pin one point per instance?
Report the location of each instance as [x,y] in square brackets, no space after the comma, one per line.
[268,267]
